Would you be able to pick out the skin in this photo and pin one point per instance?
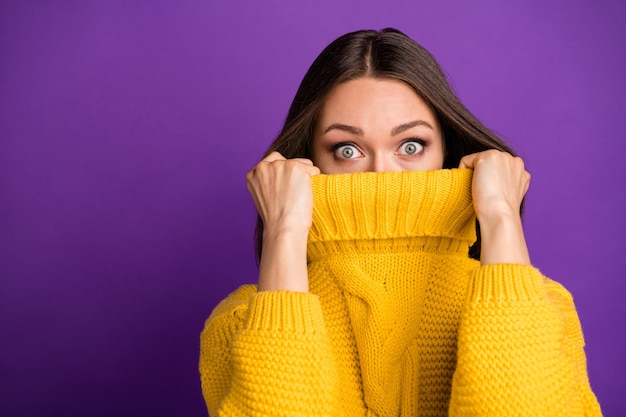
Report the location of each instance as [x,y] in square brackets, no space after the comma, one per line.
[377,125]
[383,124]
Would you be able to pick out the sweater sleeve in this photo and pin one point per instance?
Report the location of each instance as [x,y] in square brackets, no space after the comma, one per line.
[520,348]
[267,354]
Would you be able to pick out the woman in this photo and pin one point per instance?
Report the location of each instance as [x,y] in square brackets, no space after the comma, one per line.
[404,287]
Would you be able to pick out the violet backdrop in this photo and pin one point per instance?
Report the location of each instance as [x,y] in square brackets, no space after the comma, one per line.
[126,130]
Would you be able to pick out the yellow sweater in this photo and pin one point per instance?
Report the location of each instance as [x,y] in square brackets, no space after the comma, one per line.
[398,321]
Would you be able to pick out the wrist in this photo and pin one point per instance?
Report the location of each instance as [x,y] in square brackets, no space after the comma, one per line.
[283,265]
[499,213]
[285,233]
[503,241]
[499,219]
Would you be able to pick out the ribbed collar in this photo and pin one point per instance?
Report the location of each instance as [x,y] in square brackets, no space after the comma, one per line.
[367,206]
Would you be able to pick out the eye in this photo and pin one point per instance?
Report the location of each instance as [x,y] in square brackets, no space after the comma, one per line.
[411,147]
[346,151]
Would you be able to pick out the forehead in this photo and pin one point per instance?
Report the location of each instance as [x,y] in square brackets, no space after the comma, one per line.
[374,99]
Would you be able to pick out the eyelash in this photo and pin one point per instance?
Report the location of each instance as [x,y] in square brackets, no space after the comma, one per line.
[420,142]
[334,148]
[337,146]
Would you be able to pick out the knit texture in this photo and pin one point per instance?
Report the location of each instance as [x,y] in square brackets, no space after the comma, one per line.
[398,320]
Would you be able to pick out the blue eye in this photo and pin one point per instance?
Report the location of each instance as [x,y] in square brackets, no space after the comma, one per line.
[411,147]
[347,151]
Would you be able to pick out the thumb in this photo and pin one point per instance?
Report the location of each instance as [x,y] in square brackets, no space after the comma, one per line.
[274,156]
[312,170]
[467,162]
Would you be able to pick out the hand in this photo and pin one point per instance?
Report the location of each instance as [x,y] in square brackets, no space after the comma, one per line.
[282,194]
[281,190]
[499,185]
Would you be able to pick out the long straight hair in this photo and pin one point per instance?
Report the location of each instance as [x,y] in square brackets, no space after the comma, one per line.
[385,54]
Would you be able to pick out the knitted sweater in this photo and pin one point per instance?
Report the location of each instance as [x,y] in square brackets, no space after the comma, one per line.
[398,321]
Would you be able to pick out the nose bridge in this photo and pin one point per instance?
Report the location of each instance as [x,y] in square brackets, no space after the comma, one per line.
[380,162]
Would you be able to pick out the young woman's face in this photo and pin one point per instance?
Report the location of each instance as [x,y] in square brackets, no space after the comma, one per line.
[377,125]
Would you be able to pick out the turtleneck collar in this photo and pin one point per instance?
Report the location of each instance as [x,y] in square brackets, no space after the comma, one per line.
[388,205]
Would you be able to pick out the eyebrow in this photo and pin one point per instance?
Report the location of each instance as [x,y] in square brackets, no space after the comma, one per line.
[395,131]
[350,129]
[406,126]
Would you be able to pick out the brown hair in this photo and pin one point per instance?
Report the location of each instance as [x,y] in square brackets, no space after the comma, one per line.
[390,54]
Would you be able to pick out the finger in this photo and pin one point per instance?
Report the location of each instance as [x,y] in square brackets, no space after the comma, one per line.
[467,162]
[274,156]
[303,160]
[312,170]
[255,199]
[526,182]
[308,166]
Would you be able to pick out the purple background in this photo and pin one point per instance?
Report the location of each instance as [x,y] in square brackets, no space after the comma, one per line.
[126,130]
